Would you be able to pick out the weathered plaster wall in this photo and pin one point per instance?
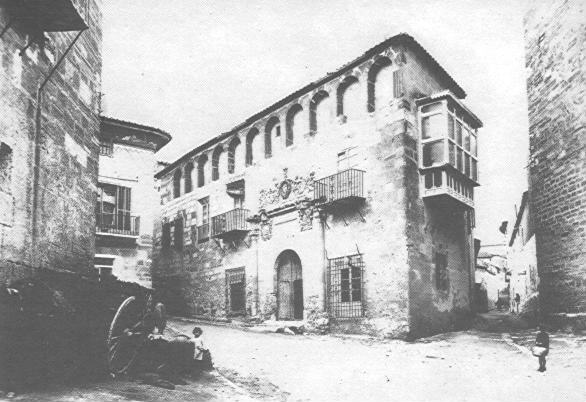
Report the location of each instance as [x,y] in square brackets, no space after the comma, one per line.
[68,143]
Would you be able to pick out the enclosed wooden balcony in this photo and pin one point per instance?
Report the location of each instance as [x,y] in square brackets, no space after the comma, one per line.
[445,184]
[119,224]
[231,223]
[345,187]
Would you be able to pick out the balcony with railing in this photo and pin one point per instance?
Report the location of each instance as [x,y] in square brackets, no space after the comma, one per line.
[343,187]
[230,223]
[120,224]
[203,233]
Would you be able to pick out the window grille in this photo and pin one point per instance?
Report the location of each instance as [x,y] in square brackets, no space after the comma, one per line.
[346,286]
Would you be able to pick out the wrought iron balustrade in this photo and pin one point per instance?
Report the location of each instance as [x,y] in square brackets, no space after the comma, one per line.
[344,185]
[121,223]
[230,222]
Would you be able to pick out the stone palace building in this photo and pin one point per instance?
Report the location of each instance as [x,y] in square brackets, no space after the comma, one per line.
[348,202]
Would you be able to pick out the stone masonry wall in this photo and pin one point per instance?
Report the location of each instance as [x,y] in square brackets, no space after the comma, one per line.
[383,146]
[68,143]
[555,34]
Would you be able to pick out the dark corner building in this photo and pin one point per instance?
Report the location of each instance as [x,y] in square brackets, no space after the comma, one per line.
[555,34]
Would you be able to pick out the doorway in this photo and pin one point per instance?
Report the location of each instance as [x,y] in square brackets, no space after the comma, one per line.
[289,286]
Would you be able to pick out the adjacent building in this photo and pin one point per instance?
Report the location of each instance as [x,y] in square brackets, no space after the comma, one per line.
[521,259]
[49,101]
[127,200]
[349,202]
[555,34]
[492,278]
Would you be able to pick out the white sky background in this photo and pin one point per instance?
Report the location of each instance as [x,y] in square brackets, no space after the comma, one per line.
[198,68]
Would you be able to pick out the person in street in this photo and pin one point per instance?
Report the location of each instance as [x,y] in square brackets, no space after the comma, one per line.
[541,348]
[201,355]
[517,301]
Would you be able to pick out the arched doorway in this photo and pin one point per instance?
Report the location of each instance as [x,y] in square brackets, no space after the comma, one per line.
[289,286]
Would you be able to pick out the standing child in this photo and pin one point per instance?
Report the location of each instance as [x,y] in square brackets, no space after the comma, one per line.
[201,356]
[541,348]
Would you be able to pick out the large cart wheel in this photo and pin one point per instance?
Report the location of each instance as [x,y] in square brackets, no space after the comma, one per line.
[126,336]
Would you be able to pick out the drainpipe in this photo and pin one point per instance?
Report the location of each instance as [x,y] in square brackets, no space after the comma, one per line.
[37,140]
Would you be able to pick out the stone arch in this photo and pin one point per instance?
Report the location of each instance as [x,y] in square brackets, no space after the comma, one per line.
[201,166]
[272,129]
[289,286]
[177,183]
[187,181]
[216,154]
[381,64]
[347,85]
[292,124]
[316,118]
[250,137]
[232,153]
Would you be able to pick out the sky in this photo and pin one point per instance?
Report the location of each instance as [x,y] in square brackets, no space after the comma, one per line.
[197,68]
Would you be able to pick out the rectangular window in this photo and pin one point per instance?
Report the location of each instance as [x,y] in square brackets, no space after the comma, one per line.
[474,170]
[348,158]
[467,165]
[433,153]
[459,133]
[433,126]
[473,144]
[397,84]
[203,231]
[346,286]
[5,168]
[113,210]
[467,140]
[441,271]
[106,147]
[459,160]
[236,291]
[452,152]
[451,126]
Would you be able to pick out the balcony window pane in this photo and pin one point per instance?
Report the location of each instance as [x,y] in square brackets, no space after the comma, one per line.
[459,162]
[474,170]
[452,149]
[451,126]
[459,133]
[473,144]
[434,107]
[428,180]
[433,126]
[467,140]
[433,153]
[437,178]
[467,165]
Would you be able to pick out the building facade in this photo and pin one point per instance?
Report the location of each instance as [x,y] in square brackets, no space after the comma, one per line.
[349,203]
[555,38]
[127,199]
[521,258]
[49,101]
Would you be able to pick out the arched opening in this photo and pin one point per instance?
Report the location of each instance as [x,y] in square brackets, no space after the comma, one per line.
[232,154]
[293,126]
[289,286]
[319,112]
[177,184]
[252,134]
[272,129]
[187,182]
[348,99]
[201,175]
[380,84]
[216,162]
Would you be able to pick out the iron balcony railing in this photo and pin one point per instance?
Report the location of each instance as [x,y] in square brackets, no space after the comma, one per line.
[203,233]
[121,223]
[347,184]
[230,222]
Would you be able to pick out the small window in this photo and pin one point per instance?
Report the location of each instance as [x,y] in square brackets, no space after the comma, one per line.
[106,147]
[441,271]
[203,231]
[5,167]
[348,158]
